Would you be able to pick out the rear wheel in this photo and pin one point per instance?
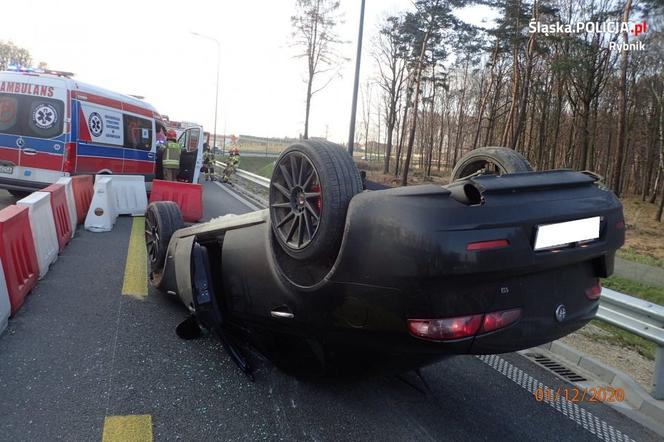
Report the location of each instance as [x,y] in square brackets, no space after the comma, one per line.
[311,187]
[18,193]
[162,219]
[491,160]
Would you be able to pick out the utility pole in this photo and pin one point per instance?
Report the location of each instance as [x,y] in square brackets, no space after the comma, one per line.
[358,56]
[216,97]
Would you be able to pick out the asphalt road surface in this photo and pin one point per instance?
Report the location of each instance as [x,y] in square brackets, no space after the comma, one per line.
[80,355]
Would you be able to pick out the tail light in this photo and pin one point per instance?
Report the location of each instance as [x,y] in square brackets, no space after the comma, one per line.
[494,321]
[620,225]
[594,291]
[487,245]
[462,326]
[70,158]
[444,329]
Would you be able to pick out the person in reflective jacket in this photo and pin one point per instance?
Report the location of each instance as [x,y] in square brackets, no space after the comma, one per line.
[232,163]
[208,162]
[171,158]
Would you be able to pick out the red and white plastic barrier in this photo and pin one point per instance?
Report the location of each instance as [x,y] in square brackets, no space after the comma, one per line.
[128,194]
[60,214]
[83,190]
[17,254]
[43,229]
[102,212]
[71,202]
[188,197]
[5,307]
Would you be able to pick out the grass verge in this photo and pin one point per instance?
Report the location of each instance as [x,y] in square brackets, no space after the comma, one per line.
[636,289]
[259,165]
[618,336]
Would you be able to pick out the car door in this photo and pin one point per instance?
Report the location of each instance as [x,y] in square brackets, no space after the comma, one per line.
[195,149]
[189,142]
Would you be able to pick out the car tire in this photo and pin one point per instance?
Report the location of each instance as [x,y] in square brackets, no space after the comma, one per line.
[312,184]
[19,194]
[502,160]
[162,219]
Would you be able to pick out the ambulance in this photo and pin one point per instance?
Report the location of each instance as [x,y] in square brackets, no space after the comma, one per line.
[52,125]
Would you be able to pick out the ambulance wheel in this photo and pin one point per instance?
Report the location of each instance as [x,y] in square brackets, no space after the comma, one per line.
[490,160]
[311,187]
[18,193]
[162,219]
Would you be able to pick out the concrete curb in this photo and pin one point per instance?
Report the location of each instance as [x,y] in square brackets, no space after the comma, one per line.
[635,395]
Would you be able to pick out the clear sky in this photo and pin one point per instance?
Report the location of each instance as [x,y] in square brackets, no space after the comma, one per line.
[145,48]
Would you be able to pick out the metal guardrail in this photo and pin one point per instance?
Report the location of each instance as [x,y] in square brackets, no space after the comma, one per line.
[634,315]
[642,318]
[256,179]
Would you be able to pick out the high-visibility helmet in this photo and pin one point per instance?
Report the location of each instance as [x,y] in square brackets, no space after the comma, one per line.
[171,135]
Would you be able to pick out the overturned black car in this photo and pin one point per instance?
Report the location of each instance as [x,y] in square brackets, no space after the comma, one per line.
[500,260]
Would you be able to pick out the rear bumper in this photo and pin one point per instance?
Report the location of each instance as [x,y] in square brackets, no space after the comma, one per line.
[21,185]
[401,351]
[532,331]
[375,319]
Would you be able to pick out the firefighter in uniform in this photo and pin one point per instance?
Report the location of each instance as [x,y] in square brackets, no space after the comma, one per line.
[171,158]
[231,165]
[208,162]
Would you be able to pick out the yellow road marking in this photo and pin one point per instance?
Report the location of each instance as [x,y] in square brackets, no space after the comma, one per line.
[136,274]
[133,428]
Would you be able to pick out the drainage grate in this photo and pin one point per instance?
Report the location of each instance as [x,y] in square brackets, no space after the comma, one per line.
[557,368]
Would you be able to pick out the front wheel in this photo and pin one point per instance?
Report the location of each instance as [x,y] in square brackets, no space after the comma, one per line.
[162,219]
[490,160]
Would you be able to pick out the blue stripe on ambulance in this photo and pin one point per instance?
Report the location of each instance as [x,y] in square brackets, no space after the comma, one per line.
[44,145]
[97,150]
[119,152]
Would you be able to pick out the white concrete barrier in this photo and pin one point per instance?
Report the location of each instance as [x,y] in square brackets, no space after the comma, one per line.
[102,213]
[5,307]
[42,225]
[129,194]
[71,203]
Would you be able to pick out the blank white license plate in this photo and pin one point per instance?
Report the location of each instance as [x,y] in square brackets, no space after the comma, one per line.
[560,234]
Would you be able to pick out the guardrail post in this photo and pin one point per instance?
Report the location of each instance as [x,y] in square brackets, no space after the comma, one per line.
[658,377]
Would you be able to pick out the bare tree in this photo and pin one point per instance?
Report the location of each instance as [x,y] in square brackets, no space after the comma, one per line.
[366,95]
[425,27]
[389,53]
[314,35]
[622,116]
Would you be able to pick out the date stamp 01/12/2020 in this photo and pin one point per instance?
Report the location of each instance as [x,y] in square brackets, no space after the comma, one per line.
[582,394]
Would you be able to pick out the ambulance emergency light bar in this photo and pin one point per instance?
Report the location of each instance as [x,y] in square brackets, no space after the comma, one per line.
[28,69]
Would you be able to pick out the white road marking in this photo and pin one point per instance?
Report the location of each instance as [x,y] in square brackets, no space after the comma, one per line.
[237,197]
[578,414]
